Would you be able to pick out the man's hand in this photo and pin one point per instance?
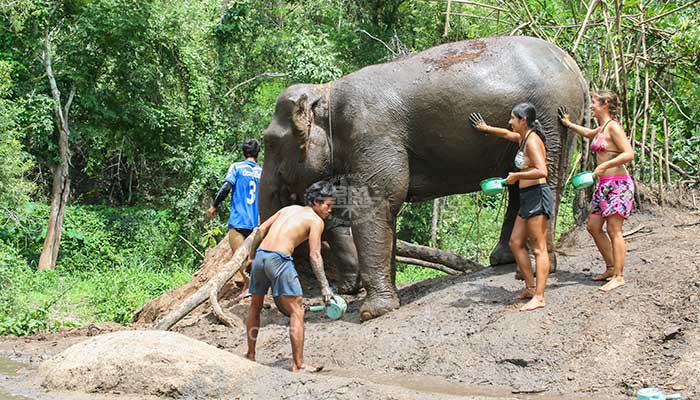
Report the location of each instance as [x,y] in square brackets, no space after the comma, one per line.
[210,212]
[327,295]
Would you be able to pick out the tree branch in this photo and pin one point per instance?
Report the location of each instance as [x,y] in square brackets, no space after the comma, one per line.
[670,12]
[264,74]
[591,7]
[393,53]
[674,102]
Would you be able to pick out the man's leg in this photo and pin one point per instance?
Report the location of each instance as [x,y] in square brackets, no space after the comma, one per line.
[252,324]
[235,239]
[293,304]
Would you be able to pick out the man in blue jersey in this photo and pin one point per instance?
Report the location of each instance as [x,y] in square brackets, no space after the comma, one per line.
[244,178]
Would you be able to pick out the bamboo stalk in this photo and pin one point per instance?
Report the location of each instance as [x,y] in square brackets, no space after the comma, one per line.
[589,12]
[667,135]
[633,129]
[624,77]
[447,18]
[645,125]
[611,46]
[662,196]
[651,155]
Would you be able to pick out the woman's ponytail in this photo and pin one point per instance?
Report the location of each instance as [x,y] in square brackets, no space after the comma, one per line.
[539,130]
[527,111]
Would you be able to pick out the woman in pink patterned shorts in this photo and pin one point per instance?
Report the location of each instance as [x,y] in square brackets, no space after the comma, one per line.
[614,193]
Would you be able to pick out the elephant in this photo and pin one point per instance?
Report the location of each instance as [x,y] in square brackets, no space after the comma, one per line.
[399,132]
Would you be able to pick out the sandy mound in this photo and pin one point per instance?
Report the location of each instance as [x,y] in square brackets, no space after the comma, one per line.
[146,362]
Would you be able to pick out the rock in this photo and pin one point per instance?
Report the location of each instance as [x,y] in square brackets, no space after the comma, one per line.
[157,363]
[671,332]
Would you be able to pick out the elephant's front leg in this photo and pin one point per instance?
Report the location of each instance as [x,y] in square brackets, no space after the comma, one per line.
[379,190]
[502,254]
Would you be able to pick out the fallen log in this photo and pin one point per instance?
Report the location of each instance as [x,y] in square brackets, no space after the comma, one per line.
[214,260]
[436,256]
[213,285]
[228,320]
[426,264]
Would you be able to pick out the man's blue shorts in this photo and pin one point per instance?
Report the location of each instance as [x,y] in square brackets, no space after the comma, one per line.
[276,270]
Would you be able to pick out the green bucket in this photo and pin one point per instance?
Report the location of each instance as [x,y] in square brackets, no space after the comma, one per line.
[335,309]
[492,186]
[583,179]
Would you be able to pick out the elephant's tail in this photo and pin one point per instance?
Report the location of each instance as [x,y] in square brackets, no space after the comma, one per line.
[586,112]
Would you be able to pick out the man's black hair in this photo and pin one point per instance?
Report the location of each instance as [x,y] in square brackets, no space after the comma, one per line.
[251,148]
[320,191]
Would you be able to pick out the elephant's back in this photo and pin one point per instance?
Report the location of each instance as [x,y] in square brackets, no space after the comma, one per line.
[425,99]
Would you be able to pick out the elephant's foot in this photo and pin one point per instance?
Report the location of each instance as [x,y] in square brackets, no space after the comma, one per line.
[377,305]
[349,285]
[501,254]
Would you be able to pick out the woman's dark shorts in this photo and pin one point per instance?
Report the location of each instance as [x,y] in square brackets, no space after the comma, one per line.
[536,200]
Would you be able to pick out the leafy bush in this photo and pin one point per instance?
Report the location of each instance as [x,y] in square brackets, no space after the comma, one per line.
[111,261]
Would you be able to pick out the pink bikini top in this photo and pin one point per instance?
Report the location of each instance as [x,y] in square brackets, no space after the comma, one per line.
[598,143]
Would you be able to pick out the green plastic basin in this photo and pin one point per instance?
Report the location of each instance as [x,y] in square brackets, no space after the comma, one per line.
[583,179]
[335,310]
[492,186]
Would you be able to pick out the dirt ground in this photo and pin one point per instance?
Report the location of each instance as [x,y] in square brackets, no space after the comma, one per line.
[462,336]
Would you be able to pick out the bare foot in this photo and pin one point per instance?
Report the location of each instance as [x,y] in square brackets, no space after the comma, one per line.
[526,293]
[605,275]
[244,294]
[307,368]
[614,283]
[534,304]
[250,356]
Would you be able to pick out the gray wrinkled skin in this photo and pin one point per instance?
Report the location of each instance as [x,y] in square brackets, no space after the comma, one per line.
[400,130]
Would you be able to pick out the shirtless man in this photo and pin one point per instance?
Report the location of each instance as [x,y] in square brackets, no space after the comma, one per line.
[274,266]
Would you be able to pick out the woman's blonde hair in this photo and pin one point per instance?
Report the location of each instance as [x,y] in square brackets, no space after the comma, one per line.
[609,98]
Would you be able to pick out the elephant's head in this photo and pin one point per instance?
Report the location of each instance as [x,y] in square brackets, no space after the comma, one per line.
[296,147]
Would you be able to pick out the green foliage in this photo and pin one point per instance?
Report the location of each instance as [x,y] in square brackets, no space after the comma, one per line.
[14,188]
[411,273]
[111,262]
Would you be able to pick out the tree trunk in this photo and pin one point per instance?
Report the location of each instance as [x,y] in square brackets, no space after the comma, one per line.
[437,208]
[61,180]
[437,256]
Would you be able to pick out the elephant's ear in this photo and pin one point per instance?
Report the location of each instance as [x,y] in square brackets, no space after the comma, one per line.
[302,117]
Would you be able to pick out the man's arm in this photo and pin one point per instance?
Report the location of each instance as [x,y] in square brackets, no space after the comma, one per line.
[317,260]
[263,230]
[220,196]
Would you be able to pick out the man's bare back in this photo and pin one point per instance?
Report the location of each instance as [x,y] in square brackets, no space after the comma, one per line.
[290,228]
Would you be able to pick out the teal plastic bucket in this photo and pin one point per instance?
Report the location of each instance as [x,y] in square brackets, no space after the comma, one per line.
[655,394]
[492,186]
[583,179]
[335,309]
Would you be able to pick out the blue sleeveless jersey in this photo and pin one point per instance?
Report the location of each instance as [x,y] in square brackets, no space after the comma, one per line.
[244,177]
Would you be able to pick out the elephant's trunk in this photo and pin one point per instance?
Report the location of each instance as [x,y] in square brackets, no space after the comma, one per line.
[271,192]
